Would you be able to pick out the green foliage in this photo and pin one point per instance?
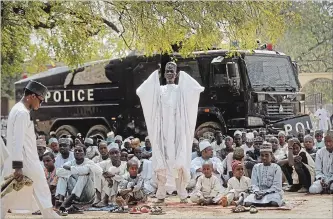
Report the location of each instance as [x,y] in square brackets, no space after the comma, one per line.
[73,32]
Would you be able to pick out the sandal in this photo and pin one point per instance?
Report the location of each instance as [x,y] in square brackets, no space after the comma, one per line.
[62,211]
[239,209]
[253,209]
[37,213]
[74,210]
[119,210]
[135,211]
[156,211]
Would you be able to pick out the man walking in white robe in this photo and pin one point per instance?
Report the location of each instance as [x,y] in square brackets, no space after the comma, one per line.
[322,114]
[24,160]
[170,113]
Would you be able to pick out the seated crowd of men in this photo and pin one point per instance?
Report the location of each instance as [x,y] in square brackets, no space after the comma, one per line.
[246,169]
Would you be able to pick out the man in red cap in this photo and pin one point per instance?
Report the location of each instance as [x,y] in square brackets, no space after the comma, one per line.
[24,160]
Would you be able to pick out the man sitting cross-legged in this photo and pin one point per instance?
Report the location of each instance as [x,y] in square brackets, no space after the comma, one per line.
[76,179]
[208,189]
[107,185]
[50,173]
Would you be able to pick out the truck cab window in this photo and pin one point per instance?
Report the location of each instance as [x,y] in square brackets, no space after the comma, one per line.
[191,68]
[221,75]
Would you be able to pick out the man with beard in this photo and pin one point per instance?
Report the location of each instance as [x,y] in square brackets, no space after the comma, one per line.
[65,153]
[76,178]
[21,145]
[170,113]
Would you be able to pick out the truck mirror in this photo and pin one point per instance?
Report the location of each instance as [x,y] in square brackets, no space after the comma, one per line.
[232,69]
[217,60]
[295,66]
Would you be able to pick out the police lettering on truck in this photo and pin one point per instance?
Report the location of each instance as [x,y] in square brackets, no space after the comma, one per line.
[70,96]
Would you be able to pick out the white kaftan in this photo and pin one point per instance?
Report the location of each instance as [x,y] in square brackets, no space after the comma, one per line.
[21,145]
[3,156]
[207,188]
[323,119]
[246,148]
[197,164]
[92,152]
[323,168]
[237,187]
[59,160]
[216,147]
[266,179]
[170,113]
[99,159]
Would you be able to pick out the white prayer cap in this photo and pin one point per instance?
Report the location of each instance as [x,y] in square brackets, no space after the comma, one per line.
[147,138]
[41,143]
[113,146]
[89,141]
[237,133]
[195,141]
[204,144]
[118,137]
[127,140]
[281,133]
[53,140]
[249,137]
[110,134]
[266,146]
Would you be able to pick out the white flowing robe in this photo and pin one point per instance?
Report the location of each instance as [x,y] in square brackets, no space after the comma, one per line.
[21,145]
[3,156]
[170,113]
[323,119]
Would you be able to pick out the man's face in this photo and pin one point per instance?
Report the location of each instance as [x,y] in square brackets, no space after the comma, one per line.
[124,156]
[329,143]
[48,162]
[78,153]
[257,145]
[219,138]
[40,150]
[228,142]
[275,144]
[282,139]
[170,73]
[249,144]
[114,154]
[266,157]
[308,143]
[55,147]
[238,140]
[64,148]
[103,149]
[296,149]
[118,142]
[133,170]
[195,147]
[207,170]
[319,137]
[207,152]
[36,101]
[301,137]
[147,143]
[127,145]
[138,152]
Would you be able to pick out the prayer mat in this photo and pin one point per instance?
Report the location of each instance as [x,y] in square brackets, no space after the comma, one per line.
[107,208]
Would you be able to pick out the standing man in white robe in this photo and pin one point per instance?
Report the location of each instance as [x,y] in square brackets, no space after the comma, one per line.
[24,160]
[322,114]
[170,112]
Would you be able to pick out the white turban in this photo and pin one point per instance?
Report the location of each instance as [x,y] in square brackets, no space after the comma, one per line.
[89,141]
[249,137]
[113,146]
[204,144]
[53,140]
[118,137]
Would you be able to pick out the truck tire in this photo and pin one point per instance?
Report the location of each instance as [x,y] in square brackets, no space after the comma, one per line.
[207,130]
[99,130]
[66,130]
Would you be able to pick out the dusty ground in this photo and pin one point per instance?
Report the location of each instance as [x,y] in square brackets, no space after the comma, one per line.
[306,206]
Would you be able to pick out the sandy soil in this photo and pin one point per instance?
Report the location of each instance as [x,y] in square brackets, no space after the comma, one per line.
[310,206]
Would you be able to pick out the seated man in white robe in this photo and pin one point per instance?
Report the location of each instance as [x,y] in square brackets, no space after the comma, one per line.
[103,152]
[107,185]
[170,113]
[65,154]
[266,181]
[218,144]
[119,140]
[324,168]
[92,151]
[76,178]
[208,189]
[206,151]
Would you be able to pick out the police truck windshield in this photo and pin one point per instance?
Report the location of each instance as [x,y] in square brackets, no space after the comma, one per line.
[273,71]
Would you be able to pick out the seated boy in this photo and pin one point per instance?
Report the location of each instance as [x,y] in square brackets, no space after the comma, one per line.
[50,173]
[77,179]
[208,189]
[106,185]
[238,186]
[266,181]
[131,189]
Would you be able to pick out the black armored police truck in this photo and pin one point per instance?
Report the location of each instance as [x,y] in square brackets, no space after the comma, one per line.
[243,90]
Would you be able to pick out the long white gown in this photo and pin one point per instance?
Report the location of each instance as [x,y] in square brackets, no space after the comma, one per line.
[21,145]
[323,119]
[170,113]
[3,156]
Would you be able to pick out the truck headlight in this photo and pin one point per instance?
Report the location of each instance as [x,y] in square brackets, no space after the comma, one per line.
[254,121]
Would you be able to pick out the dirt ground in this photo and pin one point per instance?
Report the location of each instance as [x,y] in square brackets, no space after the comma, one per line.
[303,206]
